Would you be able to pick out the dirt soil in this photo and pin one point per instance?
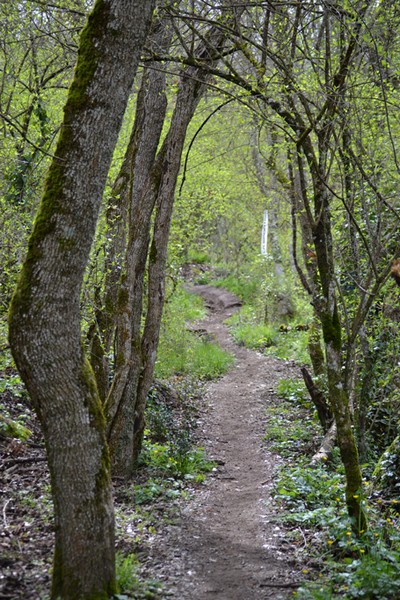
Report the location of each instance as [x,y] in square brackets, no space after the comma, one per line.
[229,544]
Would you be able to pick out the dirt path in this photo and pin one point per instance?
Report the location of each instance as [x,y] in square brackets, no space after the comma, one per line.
[228,545]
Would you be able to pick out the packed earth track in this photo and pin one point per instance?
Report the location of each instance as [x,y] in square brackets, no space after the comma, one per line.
[226,542]
[229,544]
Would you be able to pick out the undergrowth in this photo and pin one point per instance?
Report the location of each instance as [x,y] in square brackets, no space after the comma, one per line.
[171,465]
[181,351]
[313,509]
[286,342]
[129,581]
[246,288]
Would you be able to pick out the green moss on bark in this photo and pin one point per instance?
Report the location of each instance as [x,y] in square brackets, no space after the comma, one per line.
[87,59]
[52,199]
[332,329]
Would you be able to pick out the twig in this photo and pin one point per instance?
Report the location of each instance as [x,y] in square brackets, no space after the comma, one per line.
[304,538]
[20,461]
[4,512]
[293,584]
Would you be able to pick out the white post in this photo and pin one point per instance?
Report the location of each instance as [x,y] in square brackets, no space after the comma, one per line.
[264,234]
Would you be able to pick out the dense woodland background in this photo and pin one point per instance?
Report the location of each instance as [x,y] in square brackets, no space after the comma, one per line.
[236,108]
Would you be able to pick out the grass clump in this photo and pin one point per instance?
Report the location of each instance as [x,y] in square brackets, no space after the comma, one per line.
[187,353]
[209,361]
[287,342]
[291,345]
[129,582]
[256,337]
[245,288]
[173,461]
[182,352]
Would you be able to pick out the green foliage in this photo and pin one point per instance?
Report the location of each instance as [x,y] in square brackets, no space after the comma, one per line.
[11,381]
[291,421]
[289,343]
[13,429]
[129,582]
[387,472]
[257,337]
[367,566]
[154,488]
[303,491]
[185,353]
[245,288]
[294,390]
[289,433]
[381,395]
[175,461]
[198,257]
[248,332]
[181,351]
[209,361]
[292,345]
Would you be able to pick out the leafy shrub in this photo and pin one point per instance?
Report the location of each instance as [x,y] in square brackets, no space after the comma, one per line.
[174,461]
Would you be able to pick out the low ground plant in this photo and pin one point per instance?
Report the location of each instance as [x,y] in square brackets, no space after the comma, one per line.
[246,288]
[287,342]
[129,582]
[312,500]
[172,461]
[181,351]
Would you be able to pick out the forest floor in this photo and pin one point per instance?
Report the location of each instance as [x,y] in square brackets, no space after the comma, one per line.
[229,544]
[225,543]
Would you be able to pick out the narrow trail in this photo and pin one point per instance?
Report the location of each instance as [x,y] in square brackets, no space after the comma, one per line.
[228,545]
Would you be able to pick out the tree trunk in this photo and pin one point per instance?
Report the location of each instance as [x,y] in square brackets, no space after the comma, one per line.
[45,332]
[324,412]
[332,334]
[129,210]
[127,398]
[141,197]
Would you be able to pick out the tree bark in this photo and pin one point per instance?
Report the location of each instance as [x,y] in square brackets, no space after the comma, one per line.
[324,452]
[324,412]
[44,320]
[140,197]
[121,304]
[137,354]
[332,334]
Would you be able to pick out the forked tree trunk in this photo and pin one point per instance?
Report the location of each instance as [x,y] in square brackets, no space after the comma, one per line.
[140,195]
[45,332]
[120,308]
[136,353]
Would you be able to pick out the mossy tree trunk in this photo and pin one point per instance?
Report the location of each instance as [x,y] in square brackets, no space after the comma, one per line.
[136,352]
[313,152]
[139,193]
[44,319]
[119,309]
